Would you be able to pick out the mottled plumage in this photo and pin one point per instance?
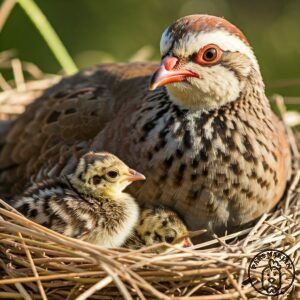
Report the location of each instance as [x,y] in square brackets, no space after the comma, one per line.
[208,142]
[159,225]
[88,204]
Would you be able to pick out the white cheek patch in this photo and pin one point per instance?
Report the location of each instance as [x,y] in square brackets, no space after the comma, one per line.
[218,86]
[192,43]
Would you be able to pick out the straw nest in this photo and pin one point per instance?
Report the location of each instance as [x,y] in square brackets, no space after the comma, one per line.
[37,263]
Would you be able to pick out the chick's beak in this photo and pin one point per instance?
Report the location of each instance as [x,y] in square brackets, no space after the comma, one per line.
[135,176]
[166,73]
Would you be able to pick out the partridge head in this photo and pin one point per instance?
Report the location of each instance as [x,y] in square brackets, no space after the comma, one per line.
[206,62]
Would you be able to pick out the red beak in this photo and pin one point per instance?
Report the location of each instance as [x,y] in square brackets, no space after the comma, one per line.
[166,73]
[135,176]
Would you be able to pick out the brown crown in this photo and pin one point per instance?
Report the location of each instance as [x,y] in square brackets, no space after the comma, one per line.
[203,23]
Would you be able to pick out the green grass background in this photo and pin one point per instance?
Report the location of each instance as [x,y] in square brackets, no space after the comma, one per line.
[97,31]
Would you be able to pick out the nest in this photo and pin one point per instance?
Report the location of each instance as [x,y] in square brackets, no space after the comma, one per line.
[37,263]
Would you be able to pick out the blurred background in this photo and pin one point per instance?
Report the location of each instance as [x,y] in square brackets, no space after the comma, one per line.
[98,31]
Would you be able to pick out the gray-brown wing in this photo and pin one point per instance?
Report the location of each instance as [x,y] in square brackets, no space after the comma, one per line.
[60,125]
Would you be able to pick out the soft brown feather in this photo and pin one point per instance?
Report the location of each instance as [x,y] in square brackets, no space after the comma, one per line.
[58,126]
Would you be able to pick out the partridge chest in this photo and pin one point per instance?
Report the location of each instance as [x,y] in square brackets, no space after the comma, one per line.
[191,151]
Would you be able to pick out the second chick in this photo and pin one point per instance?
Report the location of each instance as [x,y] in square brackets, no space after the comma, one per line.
[159,225]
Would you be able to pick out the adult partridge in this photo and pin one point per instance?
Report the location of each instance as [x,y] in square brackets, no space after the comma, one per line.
[205,136]
[88,204]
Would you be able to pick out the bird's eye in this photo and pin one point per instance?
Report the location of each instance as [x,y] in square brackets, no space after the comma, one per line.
[210,54]
[169,239]
[96,179]
[112,174]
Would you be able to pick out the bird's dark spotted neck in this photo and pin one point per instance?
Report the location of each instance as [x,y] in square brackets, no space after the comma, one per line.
[166,122]
[158,107]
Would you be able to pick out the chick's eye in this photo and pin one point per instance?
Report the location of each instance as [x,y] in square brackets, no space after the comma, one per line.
[210,54]
[96,179]
[169,239]
[112,174]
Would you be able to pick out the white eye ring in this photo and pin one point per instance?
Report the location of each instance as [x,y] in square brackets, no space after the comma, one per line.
[216,51]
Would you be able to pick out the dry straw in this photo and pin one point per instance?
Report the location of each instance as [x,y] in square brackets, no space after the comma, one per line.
[37,263]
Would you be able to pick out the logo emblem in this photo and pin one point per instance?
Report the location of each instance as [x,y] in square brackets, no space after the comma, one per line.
[271,272]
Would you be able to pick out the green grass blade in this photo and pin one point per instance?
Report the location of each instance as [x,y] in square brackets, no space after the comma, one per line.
[50,36]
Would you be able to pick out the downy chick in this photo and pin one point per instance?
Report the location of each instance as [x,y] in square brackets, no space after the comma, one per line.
[157,225]
[88,204]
